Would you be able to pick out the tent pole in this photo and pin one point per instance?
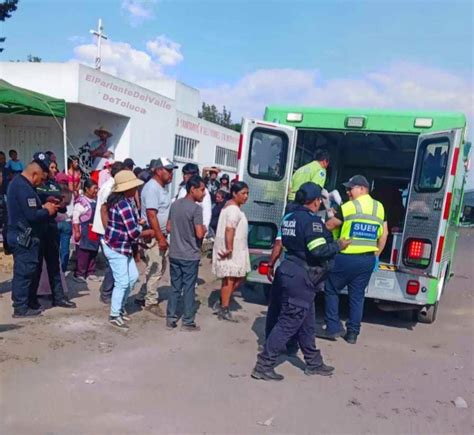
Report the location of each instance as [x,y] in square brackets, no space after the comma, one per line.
[65,145]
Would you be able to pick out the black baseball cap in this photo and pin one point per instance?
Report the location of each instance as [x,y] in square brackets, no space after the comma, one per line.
[357,180]
[190,168]
[129,163]
[43,160]
[311,190]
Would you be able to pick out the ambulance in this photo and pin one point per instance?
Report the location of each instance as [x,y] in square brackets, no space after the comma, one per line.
[416,164]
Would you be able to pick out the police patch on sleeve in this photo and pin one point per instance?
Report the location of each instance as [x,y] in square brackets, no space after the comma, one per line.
[32,202]
[322,174]
[317,227]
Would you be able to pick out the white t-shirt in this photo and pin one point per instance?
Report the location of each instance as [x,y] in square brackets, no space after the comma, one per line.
[102,196]
[156,197]
[206,205]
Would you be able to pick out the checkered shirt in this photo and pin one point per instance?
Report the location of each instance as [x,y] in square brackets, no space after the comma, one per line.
[122,229]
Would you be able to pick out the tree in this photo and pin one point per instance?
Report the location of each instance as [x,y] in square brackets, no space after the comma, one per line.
[31,58]
[6,9]
[210,113]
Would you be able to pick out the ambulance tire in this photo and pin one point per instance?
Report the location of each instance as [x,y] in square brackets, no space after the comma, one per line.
[428,315]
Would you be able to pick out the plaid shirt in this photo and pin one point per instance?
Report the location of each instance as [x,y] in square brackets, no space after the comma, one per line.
[123,228]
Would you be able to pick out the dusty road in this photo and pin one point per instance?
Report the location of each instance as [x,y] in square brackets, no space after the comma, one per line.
[69,372]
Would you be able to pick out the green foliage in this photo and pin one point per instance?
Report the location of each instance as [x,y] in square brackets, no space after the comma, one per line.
[6,9]
[31,58]
[211,113]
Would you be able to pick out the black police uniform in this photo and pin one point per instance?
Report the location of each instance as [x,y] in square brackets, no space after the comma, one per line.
[49,244]
[309,251]
[27,223]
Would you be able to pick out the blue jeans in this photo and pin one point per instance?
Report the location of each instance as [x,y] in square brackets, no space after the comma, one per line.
[353,271]
[184,275]
[65,234]
[125,275]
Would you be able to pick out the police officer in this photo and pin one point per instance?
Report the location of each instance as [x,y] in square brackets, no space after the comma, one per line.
[314,171]
[27,222]
[49,246]
[362,220]
[309,251]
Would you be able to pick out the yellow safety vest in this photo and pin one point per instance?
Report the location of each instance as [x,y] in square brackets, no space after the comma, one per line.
[363,224]
[313,171]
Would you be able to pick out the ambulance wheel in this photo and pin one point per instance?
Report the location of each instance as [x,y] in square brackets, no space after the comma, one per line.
[428,314]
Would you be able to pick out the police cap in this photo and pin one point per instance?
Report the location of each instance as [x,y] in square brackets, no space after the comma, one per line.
[311,191]
[43,160]
[356,180]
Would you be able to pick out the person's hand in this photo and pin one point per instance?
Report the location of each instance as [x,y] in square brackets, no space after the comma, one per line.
[271,272]
[147,234]
[77,236]
[141,222]
[108,154]
[51,207]
[162,243]
[343,243]
[225,254]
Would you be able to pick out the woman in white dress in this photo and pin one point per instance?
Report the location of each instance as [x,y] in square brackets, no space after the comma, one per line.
[230,256]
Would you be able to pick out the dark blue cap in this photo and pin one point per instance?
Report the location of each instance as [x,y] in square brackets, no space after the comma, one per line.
[356,180]
[43,160]
[311,191]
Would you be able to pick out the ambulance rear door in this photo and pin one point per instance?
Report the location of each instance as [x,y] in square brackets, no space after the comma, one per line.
[266,154]
[429,202]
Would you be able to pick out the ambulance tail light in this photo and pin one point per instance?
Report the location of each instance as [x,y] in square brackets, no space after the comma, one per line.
[413,287]
[263,268]
[417,253]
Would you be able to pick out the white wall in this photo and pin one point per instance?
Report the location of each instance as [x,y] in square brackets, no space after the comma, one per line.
[58,80]
[29,134]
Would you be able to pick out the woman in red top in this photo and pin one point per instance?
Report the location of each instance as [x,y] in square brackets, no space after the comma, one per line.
[74,176]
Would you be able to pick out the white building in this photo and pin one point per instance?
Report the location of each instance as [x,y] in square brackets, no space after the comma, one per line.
[158,118]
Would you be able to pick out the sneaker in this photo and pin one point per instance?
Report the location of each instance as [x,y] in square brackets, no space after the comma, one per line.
[28,313]
[118,322]
[156,310]
[190,327]
[225,314]
[322,370]
[78,279]
[268,375]
[325,335]
[350,337]
[171,324]
[35,306]
[95,278]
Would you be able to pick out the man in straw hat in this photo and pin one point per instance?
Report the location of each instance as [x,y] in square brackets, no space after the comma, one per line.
[99,149]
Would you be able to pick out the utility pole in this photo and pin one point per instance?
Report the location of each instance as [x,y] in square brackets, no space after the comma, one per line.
[100,35]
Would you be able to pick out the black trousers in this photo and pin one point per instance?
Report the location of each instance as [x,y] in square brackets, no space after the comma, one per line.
[25,270]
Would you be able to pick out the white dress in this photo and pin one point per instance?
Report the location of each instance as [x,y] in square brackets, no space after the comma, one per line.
[238,264]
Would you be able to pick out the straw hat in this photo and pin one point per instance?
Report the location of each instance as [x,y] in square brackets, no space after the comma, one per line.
[126,180]
[102,130]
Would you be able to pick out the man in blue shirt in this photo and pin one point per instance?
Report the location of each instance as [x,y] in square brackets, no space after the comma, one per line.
[27,222]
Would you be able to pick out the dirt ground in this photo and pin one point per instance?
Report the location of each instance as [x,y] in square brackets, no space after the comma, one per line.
[70,372]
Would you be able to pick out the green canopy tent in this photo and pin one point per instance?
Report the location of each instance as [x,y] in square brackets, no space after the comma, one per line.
[19,101]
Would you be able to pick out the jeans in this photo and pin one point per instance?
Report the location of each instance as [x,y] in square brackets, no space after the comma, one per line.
[184,275]
[125,274]
[65,234]
[107,286]
[86,262]
[353,271]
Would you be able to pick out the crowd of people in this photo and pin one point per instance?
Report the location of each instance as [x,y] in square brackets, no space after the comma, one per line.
[130,215]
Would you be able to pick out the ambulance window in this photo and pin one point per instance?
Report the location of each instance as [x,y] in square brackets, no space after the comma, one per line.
[268,150]
[261,235]
[433,162]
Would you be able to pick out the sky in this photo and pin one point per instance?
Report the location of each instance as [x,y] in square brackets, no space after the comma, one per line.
[415,54]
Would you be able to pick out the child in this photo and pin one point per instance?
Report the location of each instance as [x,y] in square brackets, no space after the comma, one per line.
[14,165]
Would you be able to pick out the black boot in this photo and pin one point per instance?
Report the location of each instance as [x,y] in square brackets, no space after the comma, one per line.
[350,337]
[64,303]
[322,370]
[325,335]
[27,313]
[267,375]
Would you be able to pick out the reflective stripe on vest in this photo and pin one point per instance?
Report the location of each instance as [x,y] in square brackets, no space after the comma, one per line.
[363,224]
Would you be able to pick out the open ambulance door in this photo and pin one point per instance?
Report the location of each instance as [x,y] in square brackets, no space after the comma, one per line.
[266,155]
[429,203]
